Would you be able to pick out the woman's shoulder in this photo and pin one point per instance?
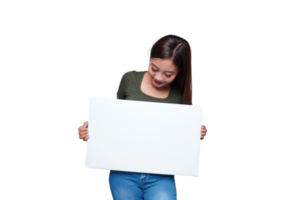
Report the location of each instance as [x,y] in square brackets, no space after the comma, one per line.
[133,74]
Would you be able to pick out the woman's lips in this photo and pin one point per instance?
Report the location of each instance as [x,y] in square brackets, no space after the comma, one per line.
[157,82]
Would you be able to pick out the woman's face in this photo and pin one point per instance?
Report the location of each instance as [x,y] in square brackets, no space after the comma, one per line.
[162,71]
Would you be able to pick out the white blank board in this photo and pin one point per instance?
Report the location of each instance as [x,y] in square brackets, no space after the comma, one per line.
[144,137]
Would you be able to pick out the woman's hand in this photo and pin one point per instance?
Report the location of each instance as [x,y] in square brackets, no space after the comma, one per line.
[203,131]
[82,131]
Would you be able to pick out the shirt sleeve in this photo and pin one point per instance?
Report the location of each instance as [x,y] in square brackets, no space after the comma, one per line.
[124,85]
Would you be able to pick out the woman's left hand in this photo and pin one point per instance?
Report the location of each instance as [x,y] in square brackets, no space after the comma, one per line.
[203,131]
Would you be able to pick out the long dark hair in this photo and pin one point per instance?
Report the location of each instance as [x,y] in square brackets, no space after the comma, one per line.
[178,49]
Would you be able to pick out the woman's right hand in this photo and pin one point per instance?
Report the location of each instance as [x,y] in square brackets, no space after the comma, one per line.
[83,131]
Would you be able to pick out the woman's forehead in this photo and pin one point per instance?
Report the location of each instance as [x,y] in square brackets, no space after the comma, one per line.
[164,64]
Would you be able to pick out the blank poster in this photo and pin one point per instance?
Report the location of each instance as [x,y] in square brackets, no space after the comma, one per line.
[144,137]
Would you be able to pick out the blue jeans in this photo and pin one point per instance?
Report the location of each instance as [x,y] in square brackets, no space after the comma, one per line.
[141,186]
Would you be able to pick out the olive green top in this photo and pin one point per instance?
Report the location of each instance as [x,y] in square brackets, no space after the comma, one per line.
[130,89]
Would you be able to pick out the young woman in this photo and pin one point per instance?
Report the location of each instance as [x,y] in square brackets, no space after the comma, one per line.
[168,80]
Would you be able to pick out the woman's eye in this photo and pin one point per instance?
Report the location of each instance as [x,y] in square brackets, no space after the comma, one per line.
[157,70]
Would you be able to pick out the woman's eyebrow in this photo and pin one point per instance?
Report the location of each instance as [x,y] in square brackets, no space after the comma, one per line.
[158,68]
